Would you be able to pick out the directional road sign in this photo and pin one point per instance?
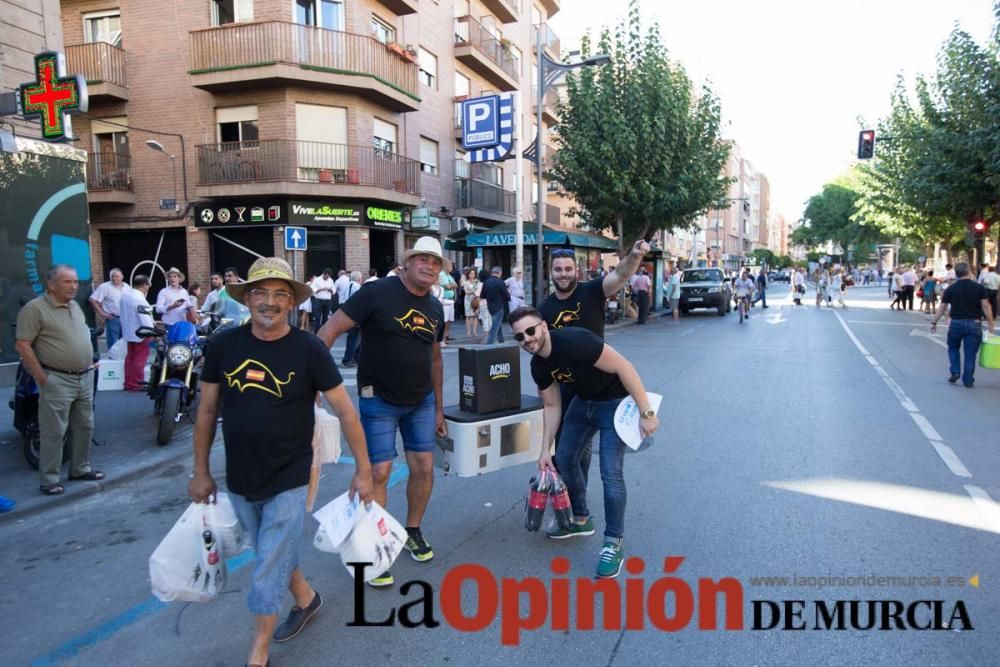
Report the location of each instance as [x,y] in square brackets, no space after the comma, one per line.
[295,238]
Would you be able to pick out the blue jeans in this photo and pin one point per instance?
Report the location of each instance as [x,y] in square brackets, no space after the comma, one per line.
[566,395]
[969,332]
[496,327]
[112,330]
[274,527]
[416,423]
[352,345]
[583,419]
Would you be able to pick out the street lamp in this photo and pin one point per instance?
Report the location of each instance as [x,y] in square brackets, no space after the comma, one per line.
[157,146]
[549,71]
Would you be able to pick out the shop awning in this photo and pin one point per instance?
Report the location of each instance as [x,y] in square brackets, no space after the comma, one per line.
[503,235]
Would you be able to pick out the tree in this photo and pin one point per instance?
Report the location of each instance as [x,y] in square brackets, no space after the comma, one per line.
[763,256]
[832,215]
[638,149]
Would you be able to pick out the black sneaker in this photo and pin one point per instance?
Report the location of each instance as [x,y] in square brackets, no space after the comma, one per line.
[954,378]
[419,550]
[297,619]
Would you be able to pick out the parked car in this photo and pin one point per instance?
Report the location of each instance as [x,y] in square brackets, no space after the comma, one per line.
[705,288]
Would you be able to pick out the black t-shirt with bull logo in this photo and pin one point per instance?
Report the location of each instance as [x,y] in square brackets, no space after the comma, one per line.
[398,332]
[571,363]
[268,390]
[583,308]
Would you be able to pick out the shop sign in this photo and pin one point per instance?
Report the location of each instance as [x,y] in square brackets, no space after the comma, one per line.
[376,216]
[421,218]
[315,213]
[238,214]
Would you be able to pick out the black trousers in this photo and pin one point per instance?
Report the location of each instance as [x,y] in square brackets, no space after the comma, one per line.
[643,301]
[908,291]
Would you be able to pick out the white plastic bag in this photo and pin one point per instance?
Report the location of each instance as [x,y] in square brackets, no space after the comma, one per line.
[188,564]
[118,350]
[336,520]
[228,529]
[327,436]
[375,537]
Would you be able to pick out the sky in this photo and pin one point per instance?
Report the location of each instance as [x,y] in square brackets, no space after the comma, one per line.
[794,76]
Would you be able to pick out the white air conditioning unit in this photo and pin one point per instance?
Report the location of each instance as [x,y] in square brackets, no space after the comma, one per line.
[460,223]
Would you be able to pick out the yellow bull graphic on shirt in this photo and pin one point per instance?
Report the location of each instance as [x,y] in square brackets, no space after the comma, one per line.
[252,374]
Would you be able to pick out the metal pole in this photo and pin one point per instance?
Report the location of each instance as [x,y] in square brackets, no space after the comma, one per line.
[539,92]
[519,186]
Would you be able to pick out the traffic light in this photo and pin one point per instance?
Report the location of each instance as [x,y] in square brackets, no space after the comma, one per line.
[866,144]
[979,229]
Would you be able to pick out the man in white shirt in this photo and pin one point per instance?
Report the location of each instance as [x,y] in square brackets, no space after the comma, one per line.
[372,276]
[132,319]
[105,300]
[173,301]
[323,291]
[909,287]
[353,345]
[674,294]
[342,286]
[213,296]
[515,285]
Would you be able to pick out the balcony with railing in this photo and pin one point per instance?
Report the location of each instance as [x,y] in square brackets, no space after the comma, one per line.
[551,7]
[103,66]
[504,10]
[306,168]
[550,40]
[109,179]
[478,194]
[492,58]
[242,56]
[401,7]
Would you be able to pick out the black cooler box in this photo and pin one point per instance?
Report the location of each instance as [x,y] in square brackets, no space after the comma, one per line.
[489,378]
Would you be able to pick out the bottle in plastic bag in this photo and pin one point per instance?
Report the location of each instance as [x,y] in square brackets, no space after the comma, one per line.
[538,497]
[560,503]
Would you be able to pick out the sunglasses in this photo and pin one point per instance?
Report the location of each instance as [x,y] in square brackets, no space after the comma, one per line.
[529,331]
[563,252]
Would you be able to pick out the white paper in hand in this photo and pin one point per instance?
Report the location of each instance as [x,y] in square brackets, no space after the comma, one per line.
[627,419]
[336,519]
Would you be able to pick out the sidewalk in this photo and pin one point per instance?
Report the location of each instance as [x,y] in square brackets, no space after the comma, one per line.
[125,427]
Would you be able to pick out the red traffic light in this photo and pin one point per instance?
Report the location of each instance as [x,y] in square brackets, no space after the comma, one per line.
[979,226]
[866,144]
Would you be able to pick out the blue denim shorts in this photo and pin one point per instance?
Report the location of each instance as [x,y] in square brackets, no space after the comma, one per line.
[416,423]
[274,527]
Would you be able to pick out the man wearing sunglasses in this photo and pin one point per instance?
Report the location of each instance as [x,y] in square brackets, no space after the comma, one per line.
[576,304]
[601,378]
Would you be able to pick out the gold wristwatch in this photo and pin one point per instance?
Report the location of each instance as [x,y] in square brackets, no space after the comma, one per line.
[647,414]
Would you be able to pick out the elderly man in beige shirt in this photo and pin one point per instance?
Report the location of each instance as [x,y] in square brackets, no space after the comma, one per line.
[53,340]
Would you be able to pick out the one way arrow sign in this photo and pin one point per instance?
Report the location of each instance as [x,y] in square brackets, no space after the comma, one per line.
[295,238]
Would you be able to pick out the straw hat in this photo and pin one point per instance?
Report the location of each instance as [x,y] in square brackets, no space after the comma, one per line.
[428,245]
[174,269]
[269,268]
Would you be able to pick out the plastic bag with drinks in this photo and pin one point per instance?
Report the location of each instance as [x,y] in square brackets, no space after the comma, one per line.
[548,486]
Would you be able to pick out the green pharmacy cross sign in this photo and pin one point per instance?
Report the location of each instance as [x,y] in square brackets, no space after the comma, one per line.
[52,96]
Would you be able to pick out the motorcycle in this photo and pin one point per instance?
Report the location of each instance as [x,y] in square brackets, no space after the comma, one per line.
[173,378]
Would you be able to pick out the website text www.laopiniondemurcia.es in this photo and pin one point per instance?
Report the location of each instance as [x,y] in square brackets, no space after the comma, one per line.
[667,604]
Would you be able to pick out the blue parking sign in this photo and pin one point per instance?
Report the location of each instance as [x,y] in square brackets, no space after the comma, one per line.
[295,238]
[481,122]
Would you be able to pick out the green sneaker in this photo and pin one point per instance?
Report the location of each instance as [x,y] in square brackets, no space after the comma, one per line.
[382,580]
[610,564]
[584,529]
[419,550]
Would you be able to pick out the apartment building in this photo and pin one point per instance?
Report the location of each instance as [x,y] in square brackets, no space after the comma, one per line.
[215,123]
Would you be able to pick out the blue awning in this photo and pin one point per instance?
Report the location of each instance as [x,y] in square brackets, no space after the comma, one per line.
[503,235]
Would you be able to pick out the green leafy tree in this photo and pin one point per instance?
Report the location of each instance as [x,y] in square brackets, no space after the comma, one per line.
[639,149]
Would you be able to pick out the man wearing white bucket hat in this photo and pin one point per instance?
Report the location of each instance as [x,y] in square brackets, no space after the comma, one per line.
[602,378]
[263,377]
[173,301]
[400,378]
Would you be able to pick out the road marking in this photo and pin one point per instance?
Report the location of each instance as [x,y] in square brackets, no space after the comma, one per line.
[776,319]
[987,507]
[946,453]
[950,459]
[888,324]
[929,336]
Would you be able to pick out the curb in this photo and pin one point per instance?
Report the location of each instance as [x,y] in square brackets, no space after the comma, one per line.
[41,504]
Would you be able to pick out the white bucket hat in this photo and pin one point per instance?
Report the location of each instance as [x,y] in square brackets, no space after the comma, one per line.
[428,245]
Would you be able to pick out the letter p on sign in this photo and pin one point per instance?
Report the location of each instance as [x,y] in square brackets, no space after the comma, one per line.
[481,122]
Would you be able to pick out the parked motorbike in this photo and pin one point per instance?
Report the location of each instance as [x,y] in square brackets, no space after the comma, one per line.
[173,378]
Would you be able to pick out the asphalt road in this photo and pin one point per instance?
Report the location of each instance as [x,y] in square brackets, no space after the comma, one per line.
[804,443]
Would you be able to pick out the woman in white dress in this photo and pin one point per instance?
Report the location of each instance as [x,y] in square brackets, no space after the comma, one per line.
[835,292]
[470,288]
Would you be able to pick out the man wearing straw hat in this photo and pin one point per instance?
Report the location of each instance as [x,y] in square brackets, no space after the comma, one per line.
[173,301]
[264,376]
[400,378]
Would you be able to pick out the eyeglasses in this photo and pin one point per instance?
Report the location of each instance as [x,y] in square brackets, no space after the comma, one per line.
[563,252]
[264,294]
[529,331]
